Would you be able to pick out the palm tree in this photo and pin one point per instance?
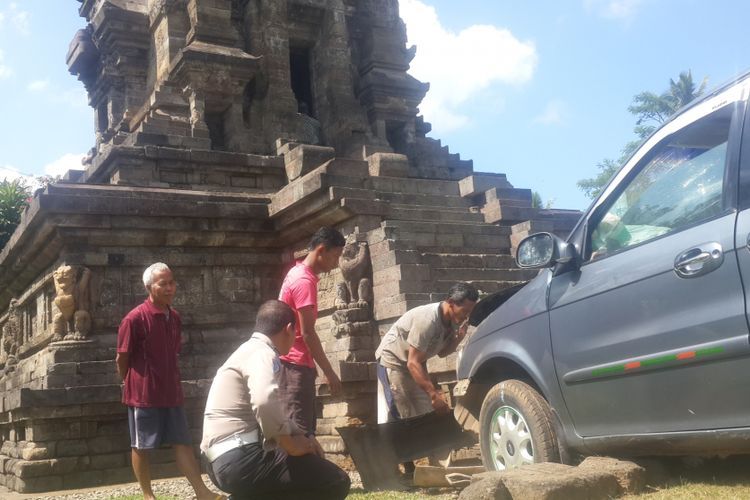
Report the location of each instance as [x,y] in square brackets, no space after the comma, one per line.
[652,110]
[13,199]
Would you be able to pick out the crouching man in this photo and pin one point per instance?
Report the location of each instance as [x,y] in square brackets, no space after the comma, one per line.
[252,448]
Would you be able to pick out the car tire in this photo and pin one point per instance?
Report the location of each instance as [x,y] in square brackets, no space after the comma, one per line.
[516,427]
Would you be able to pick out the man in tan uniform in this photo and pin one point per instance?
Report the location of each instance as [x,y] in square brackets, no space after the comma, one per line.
[253,449]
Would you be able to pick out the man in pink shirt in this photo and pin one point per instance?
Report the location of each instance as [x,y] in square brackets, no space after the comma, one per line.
[300,291]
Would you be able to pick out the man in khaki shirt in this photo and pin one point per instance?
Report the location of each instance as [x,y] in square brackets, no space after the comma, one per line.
[252,448]
[404,386]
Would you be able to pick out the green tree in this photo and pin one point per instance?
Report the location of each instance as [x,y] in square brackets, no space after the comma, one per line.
[536,199]
[13,199]
[651,110]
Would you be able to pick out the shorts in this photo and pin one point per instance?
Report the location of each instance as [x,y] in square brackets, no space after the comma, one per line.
[399,396]
[297,390]
[151,428]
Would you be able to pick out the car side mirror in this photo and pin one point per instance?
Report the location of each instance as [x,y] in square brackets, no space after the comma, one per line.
[543,250]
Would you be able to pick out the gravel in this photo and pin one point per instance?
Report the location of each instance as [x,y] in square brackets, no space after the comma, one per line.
[176,487]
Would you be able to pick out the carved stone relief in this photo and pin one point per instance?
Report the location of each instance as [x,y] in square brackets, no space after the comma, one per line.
[72,298]
[353,316]
[12,335]
[356,289]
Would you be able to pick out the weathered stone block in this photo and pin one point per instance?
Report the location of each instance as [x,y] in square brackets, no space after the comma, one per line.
[481,182]
[547,481]
[388,165]
[36,468]
[108,461]
[72,448]
[630,476]
[305,158]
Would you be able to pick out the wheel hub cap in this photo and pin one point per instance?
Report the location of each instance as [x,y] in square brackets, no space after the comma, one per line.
[510,439]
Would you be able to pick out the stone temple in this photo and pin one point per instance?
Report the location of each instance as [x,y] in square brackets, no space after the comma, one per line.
[227,132]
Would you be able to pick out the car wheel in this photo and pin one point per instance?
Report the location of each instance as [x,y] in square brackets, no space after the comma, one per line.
[516,427]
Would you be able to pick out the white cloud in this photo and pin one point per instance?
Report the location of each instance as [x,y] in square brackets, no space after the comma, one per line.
[460,65]
[9,172]
[38,85]
[553,114]
[19,19]
[614,9]
[5,70]
[66,162]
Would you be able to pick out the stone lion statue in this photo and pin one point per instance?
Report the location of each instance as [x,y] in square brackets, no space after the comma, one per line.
[73,321]
[356,290]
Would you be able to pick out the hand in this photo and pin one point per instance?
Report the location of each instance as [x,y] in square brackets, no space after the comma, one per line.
[439,404]
[462,330]
[334,383]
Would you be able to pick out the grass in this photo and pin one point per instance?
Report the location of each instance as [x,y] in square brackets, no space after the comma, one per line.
[710,479]
[696,490]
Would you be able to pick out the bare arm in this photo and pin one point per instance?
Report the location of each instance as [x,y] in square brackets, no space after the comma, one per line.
[456,339]
[416,366]
[123,364]
[307,326]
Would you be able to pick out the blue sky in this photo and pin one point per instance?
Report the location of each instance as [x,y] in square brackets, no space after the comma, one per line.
[537,90]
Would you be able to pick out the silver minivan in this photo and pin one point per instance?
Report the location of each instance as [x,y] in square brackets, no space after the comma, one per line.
[633,339]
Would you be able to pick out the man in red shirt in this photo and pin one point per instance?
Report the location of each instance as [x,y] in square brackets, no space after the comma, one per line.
[300,291]
[148,345]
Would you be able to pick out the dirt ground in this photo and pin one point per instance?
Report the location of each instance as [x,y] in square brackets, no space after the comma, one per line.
[669,479]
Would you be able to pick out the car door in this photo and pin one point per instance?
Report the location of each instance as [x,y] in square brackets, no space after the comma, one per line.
[649,333]
[742,233]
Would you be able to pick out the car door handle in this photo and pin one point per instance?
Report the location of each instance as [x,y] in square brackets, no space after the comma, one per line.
[699,260]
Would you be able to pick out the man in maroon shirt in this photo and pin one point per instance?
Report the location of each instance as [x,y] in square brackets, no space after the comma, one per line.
[148,344]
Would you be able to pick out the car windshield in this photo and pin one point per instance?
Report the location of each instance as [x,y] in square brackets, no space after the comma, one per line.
[699,177]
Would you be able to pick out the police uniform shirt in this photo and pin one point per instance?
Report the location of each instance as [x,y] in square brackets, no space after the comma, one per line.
[244,396]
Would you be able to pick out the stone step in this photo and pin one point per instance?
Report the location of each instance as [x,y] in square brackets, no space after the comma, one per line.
[412,199]
[438,290]
[404,228]
[517,196]
[479,245]
[482,274]
[507,214]
[164,126]
[464,260]
[406,212]
[409,213]
[169,140]
[485,287]
[418,186]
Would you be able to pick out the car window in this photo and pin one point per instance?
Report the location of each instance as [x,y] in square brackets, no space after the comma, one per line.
[680,183]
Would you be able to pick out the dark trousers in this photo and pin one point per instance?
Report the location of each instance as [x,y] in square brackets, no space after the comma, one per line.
[297,388]
[250,472]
